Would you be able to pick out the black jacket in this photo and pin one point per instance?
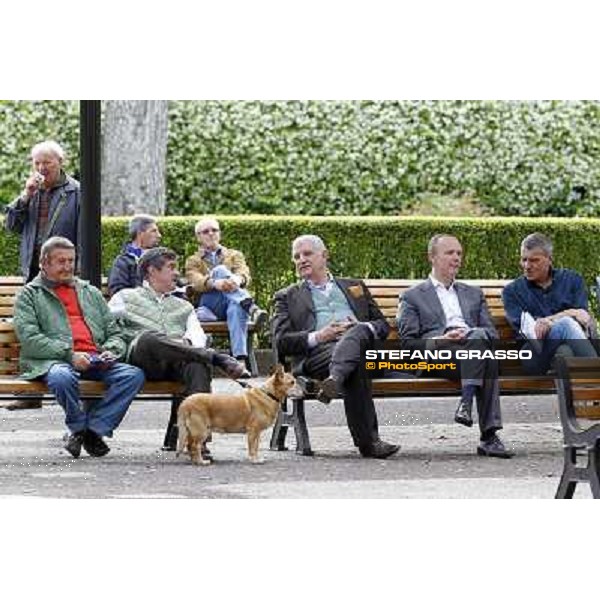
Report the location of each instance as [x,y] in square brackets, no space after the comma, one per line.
[124,272]
[295,317]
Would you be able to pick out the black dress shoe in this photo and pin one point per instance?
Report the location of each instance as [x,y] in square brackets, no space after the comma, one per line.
[329,390]
[309,386]
[494,447]
[232,367]
[379,449]
[463,414]
[94,445]
[73,443]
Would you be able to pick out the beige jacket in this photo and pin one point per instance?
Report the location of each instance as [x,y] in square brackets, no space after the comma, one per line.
[197,269]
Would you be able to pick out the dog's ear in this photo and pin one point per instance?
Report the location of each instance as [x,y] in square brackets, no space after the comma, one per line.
[276,369]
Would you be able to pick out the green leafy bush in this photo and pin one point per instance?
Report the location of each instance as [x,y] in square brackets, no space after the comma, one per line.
[350,158]
[23,124]
[330,158]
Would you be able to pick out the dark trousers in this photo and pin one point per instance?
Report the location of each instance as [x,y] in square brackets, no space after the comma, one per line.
[481,373]
[342,360]
[162,358]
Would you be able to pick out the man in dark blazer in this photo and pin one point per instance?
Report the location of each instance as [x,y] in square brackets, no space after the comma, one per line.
[322,324]
[442,313]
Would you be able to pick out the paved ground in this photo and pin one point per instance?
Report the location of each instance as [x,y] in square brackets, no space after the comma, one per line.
[437,459]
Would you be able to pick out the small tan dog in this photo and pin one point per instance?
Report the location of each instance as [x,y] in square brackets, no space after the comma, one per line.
[250,412]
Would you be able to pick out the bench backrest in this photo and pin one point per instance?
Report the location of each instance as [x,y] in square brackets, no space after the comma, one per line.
[9,345]
[387,291]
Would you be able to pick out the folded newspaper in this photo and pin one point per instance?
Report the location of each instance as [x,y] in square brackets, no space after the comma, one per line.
[528,330]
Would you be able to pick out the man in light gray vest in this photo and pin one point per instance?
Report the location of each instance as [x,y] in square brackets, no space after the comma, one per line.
[164,335]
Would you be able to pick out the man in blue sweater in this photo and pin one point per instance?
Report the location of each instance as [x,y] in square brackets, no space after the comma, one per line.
[554,302]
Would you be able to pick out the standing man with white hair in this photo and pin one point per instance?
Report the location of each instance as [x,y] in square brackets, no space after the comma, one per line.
[48,206]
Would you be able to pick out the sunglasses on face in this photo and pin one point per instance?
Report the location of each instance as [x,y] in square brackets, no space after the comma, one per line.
[210,230]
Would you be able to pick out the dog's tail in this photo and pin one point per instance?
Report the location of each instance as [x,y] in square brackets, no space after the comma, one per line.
[182,429]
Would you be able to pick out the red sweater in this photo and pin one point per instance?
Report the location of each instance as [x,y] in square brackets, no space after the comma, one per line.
[82,336]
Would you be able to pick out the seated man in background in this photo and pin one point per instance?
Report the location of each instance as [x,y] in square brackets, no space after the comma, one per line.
[554,303]
[164,335]
[448,313]
[322,324]
[219,278]
[143,234]
[67,333]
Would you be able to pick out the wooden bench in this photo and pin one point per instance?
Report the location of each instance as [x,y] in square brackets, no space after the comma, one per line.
[578,385]
[10,286]
[11,385]
[386,293]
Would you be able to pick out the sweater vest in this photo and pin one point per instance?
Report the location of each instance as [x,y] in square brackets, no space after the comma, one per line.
[333,307]
[146,313]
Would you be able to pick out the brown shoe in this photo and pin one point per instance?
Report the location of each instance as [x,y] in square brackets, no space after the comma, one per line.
[24,404]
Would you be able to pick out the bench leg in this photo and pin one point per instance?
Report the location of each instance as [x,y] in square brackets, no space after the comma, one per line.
[252,356]
[594,470]
[300,429]
[279,431]
[172,431]
[566,487]
[297,420]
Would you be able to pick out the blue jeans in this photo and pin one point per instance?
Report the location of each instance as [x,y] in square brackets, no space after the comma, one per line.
[225,306]
[104,415]
[565,334]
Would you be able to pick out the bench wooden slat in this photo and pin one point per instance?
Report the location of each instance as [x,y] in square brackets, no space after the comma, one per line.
[588,411]
[15,385]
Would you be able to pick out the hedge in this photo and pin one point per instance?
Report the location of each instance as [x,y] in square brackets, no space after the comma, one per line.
[342,158]
[365,246]
[367,158]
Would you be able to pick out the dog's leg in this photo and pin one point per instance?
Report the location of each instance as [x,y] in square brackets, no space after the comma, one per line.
[253,443]
[182,439]
[193,448]
[195,443]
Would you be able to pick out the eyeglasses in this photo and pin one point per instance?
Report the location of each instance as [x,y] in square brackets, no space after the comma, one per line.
[210,230]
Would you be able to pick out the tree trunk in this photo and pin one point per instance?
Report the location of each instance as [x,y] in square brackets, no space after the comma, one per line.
[134,153]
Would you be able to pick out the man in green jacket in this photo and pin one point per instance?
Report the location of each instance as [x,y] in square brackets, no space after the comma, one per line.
[67,333]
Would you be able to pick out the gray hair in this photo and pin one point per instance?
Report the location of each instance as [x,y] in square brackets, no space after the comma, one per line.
[48,147]
[435,240]
[314,240]
[139,224]
[204,220]
[155,257]
[54,243]
[535,241]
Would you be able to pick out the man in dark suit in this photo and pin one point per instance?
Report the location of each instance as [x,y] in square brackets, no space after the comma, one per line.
[322,324]
[442,313]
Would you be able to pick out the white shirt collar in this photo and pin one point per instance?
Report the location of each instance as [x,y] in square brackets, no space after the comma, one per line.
[437,283]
